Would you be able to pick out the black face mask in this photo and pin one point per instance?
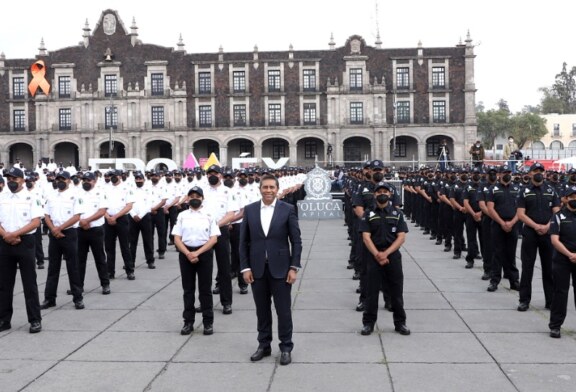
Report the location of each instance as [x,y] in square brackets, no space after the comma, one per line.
[250,181]
[86,186]
[476,177]
[114,179]
[506,178]
[139,184]
[195,203]
[229,183]
[538,177]
[243,182]
[554,177]
[572,204]
[13,186]
[368,176]
[190,179]
[377,177]
[572,178]
[464,178]
[492,177]
[29,185]
[168,180]
[198,176]
[124,178]
[76,181]
[107,180]
[257,180]
[1,188]
[213,180]
[61,185]
[382,199]
[178,179]
[452,178]
[155,180]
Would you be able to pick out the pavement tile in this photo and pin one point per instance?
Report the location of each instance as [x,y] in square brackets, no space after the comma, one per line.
[75,320]
[17,373]
[542,377]
[326,347]
[505,320]
[47,345]
[147,320]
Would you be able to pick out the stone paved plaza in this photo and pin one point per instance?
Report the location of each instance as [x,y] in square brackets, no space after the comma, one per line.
[463,338]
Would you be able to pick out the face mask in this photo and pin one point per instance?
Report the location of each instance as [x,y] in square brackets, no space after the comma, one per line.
[1,188]
[476,177]
[114,179]
[86,186]
[190,179]
[13,186]
[250,180]
[29,185]
[573,178]
[382,199]
[61,185]
[377,177]
[198,176]
[257,180]
[195,203]
[213,180]
[510,141]
[572,204]
[243,181]
[464,178]
[478,145]
[168,180]
[452,178]
[492,177]
[555,177]
[506,177]
[76,181]
[538,177]
[178,179]
[107,180]
[124,178]
[229,183]
[368,176]
[139,184]
[54,185]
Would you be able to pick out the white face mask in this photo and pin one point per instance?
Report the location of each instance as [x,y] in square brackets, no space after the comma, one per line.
[510,141]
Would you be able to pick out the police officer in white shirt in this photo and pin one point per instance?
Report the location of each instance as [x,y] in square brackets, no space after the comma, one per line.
[62,214]
[241,196]
[37,194]
[195,234]
[20,214]
[117,225]
[91,231]
[141,220]
[159,197]
[219,203]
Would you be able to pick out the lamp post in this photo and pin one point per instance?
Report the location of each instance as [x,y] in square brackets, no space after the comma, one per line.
[108,57]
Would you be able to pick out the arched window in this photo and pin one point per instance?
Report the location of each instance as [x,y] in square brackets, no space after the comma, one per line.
[556,145]
[538,146]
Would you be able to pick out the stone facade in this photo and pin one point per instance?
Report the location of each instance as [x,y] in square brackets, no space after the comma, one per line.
[153,101]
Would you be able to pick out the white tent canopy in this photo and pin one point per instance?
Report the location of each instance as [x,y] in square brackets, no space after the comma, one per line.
[568,162]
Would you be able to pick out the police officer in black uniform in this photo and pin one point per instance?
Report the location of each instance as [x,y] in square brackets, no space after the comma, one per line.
[563,237]
[383,232]
[502,201]
[473,218]
[20,215]
[536,205]
[486,243]
[459,215]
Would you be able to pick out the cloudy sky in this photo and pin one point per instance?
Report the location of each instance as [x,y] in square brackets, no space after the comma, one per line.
[520,47]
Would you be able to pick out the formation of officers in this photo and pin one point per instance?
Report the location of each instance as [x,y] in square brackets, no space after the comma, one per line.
[197,211]
[476,213]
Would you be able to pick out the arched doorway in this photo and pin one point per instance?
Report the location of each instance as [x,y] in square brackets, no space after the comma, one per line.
[276,148]
[406,149]
[22,152]
[356,150]
[308,149]
[433,149]
[66,153]
[118,150]
[240,148]
[158,149]
[204,147]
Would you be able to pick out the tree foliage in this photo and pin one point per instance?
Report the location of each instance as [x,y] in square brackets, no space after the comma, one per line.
[527,127]
[561,97]
[492,124]
[523,126]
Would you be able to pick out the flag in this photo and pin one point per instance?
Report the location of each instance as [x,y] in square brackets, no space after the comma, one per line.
[191,162]
[212,160]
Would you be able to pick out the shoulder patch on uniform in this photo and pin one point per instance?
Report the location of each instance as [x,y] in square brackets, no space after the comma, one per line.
[562,216]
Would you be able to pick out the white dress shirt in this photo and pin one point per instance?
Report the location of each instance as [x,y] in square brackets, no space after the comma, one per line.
[266,213]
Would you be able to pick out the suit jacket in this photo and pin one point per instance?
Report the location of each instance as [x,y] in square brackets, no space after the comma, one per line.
[281,248]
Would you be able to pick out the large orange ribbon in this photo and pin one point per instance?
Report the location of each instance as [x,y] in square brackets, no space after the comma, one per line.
[38,70]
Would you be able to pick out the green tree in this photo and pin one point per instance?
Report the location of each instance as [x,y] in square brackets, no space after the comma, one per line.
[561,97]
[492,124]
[527,127]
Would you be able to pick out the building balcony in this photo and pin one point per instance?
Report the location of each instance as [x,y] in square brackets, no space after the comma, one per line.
[63,127]
[357,121]
[106,127]
[157,126]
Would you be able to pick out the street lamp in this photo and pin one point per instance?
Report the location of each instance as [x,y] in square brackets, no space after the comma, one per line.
[108,57]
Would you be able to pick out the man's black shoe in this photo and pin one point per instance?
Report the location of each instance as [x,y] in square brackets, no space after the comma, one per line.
[261,353]
[208,329]
[216,290]
[47,304]
[515,285]
[243,290]
[106,289]
[402,329]
[367,329]
[469,264]
[523,306]
[79,304]
[457,256]
[426,232]
[5,326]
[130,276]
[285,358]
[227,309]
[438,241]
[187,329]
[40,265]
[350,266]
[432,237]
[69,292]
[161,256]
[151,265]
[492,287]
[478,257]
[356,276]
[358,289]
[198,309]
[35,327]
[111,276]
[447,248]
[555,333]
[485,276]
[360,307]
[388,306]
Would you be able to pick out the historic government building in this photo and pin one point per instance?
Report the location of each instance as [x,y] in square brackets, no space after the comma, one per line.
[115,96]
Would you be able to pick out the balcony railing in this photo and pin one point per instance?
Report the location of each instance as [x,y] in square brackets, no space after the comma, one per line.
[116,127]
[357,121]
[164,125]
[64,127]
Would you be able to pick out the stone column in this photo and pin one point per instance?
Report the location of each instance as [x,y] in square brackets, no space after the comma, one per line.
[293,155]
[224,155]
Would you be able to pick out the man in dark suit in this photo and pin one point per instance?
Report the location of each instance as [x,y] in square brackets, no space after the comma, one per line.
[270,250]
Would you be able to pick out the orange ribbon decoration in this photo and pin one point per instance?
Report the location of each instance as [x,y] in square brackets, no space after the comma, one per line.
[38,70]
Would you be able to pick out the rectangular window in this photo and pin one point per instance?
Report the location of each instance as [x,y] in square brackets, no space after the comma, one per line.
[432,147]
[110,85]
[205,115]
[111,120]
[309,114]
[573,129]
[402,112]
[239,115]
[239,81]
[309,79]
[19,120]
[278,150]
[400,149]
[157,117]
[65,119]
[64,86]
[403,78]
[274,114]
[246,147]
[310,150]
[157,83]
[18,89]
[356,113]
[356,79]
[438,77]
[204,83]
[556,131]
[274,80]
[439,111]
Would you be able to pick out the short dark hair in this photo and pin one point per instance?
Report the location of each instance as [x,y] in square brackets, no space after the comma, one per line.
[269,177]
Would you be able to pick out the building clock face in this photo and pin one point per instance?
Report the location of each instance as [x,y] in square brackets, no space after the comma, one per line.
[109,24]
